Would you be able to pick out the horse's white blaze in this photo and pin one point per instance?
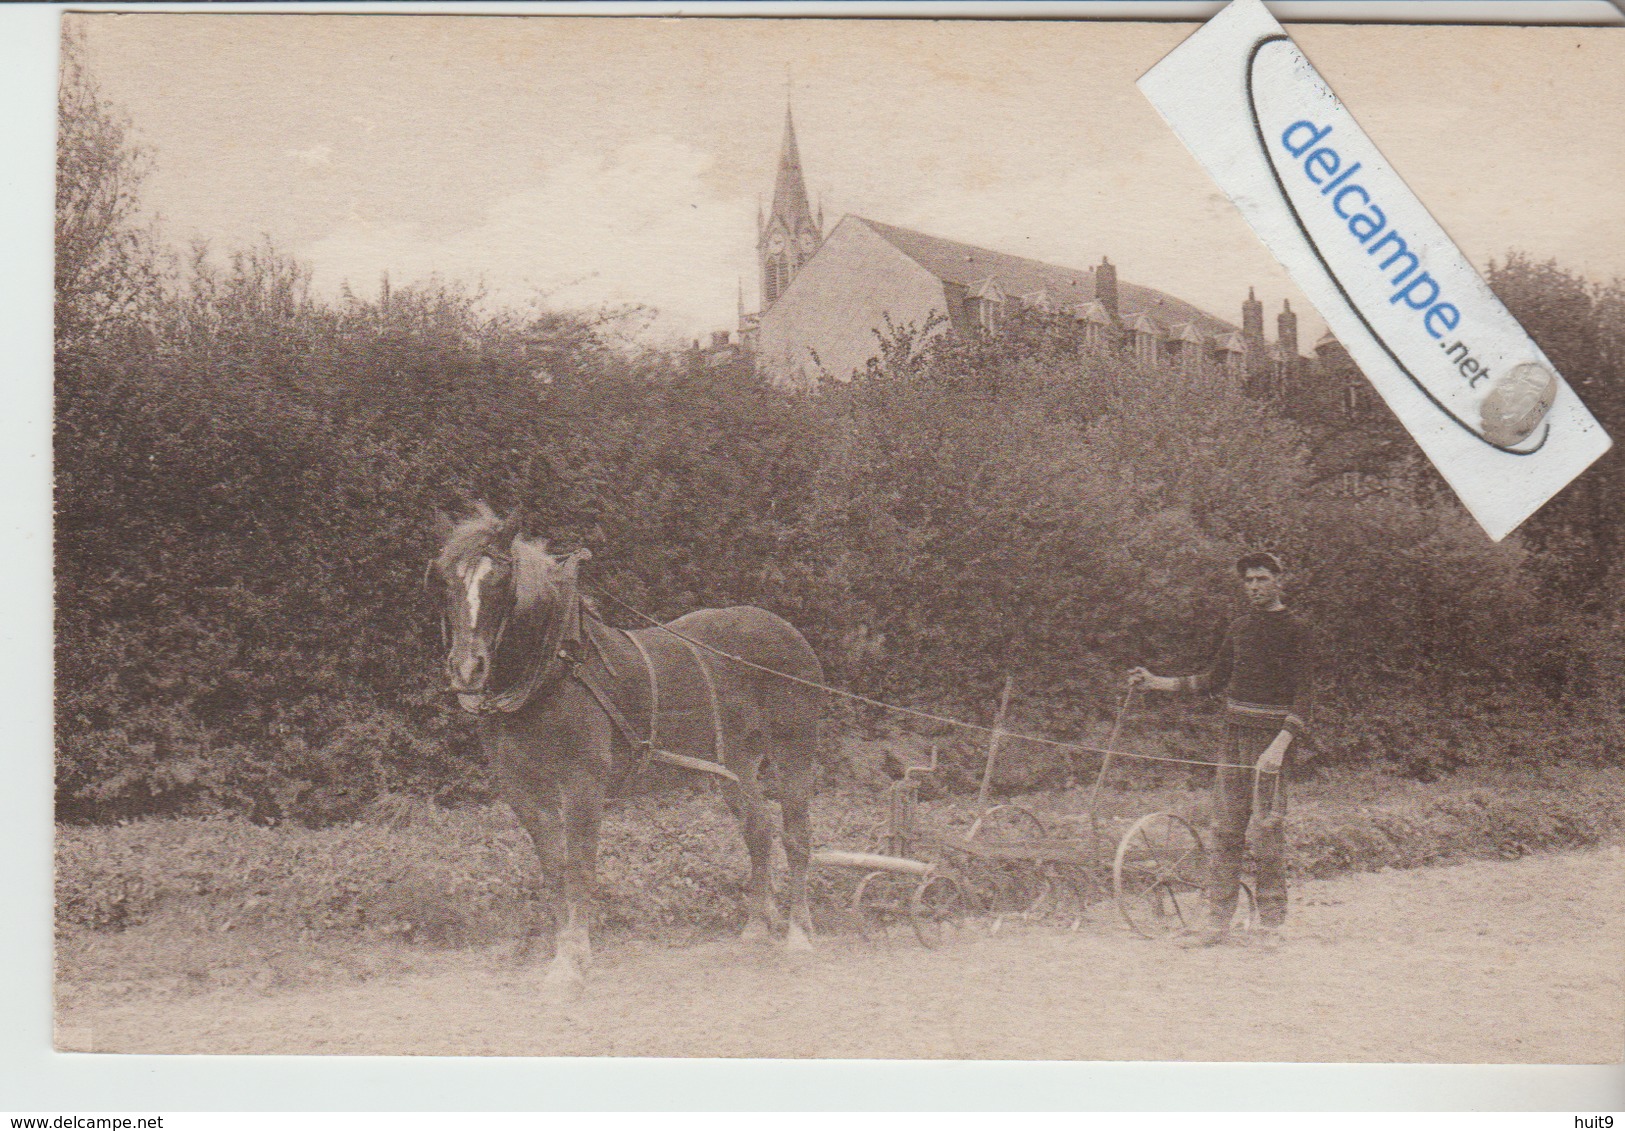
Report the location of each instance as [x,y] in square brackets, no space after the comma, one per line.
[475,576]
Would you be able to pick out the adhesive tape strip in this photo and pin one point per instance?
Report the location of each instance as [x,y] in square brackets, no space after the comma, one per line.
[1469,384]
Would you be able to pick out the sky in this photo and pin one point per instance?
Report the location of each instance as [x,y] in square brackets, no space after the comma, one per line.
[584,161]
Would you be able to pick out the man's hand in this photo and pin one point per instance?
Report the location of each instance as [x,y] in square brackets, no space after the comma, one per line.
[1145,681]
[1269,762]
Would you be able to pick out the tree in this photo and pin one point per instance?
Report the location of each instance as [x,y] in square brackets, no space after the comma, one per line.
[1581,326]
[104,255]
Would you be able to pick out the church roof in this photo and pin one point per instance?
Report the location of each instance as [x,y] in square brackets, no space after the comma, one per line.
[968,266]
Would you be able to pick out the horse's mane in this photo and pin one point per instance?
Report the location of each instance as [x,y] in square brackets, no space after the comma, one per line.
[480,533]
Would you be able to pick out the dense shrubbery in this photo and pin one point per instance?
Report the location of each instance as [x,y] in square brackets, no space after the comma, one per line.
[246,479]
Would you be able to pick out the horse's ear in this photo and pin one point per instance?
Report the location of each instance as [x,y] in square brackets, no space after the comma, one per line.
[509,530]
[575,559]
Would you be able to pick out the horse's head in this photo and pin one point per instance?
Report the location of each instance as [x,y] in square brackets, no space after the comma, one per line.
[476,565]
[497,587]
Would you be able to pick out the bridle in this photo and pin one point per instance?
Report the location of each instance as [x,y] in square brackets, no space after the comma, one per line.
[446,629]
[547,660]
[506,561]
[499,557]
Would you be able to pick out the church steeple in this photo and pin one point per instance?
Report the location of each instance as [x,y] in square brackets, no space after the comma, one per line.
[790,187]
[791,233]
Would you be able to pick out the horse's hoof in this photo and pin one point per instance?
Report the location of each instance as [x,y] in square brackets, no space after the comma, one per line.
[563,983]
[797,940]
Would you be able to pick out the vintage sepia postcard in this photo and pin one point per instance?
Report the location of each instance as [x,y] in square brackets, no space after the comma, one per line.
[804,538]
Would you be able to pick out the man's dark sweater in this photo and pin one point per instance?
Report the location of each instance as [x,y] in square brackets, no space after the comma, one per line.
[1264,666]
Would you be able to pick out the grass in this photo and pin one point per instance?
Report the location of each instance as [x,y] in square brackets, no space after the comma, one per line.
[196,903]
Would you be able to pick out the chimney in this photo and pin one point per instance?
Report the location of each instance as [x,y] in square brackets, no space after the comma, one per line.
[1106,286]
[719,339]
[1286,324]
[1252,319]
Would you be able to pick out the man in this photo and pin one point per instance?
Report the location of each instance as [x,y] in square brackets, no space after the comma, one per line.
[1263,668]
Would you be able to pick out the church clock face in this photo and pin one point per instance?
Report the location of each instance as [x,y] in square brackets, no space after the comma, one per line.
[808,242]
[775,242]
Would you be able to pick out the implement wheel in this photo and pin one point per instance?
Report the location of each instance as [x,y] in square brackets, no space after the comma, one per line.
[1157,875]
[937,909]
[1065,902]
[1020,887]
[1007,824]
[881,901]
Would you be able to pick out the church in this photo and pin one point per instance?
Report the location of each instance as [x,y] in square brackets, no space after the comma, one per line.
[823,294]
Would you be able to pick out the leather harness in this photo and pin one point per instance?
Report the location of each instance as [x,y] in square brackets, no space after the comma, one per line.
[559,659]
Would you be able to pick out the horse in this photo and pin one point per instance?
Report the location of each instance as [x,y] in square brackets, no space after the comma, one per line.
[572,711]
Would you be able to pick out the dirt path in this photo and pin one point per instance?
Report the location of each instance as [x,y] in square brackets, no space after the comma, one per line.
[1486,962]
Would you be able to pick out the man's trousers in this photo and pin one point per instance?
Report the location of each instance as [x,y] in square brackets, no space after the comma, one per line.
[1233,794]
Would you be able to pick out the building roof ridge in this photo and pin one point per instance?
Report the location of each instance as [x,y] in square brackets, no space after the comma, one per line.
[957,244]
[964,264]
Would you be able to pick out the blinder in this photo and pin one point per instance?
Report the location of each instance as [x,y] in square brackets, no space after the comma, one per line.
[431,573]
[547,642]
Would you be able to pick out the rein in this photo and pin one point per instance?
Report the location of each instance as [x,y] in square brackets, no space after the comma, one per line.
[554,662]
[852,696]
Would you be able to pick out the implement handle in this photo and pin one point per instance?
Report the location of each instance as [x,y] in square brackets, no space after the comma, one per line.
[993,742]
[1106,763]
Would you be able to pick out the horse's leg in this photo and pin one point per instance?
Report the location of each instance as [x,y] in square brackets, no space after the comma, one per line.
[795,789]
[583,808]
[533,800]
[798,850]
[547,837]
[745,801]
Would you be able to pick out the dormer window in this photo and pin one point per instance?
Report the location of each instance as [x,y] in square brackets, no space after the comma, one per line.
[984,305]
[983,314]
[1186,347]
[1231,351]
[1147,340]
[1095,323]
